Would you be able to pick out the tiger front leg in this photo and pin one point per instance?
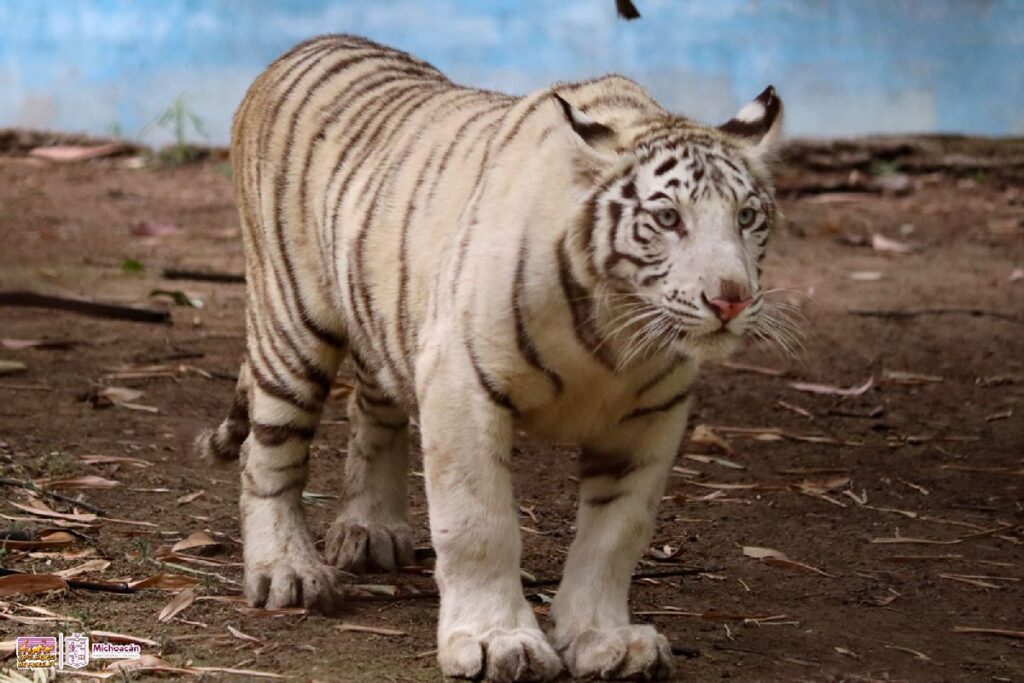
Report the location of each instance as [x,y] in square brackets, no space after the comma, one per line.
[486,629]
[622,480]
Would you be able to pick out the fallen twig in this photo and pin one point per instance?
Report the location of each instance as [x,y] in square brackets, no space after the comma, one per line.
[916,312]
[201,275]
[96,309]
[990,631]
[50,494]
[928,541]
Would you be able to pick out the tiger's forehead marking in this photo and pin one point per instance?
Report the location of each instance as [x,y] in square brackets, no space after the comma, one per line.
[694,167]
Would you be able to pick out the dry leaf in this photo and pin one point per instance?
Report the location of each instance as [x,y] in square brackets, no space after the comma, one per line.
[759,553]
[48,613]
[12,367]
[768,436]
[911,378]
[1000,380]
[833,390]
[189,497]
[112,460]
[686,471]
[665,552]
[88,481]
[125,398]
[54,539]
[822,485]
[38,507]
[777,558]
[974,581]
[704,440]
[919,655]
[122,638]
[180,602]
[30,584]
[91,566]
[236,672]
[150,663]
[865,275]
[795,408]
[1001,415]
[165,582]
[198,541]
[241,636]
[891,246]
[121,394]
[49,344]
[73,153]
[57,523]
[724,462]
[757,369]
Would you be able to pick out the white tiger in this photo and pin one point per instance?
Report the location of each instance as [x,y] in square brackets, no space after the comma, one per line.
[559,263]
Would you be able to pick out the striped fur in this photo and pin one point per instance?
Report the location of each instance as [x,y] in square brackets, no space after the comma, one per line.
[487,263]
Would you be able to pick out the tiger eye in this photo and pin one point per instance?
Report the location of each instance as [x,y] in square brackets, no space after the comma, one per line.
[746,217]
[667,218]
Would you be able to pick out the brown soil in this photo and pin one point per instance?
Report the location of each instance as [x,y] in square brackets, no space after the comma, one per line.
[946,452]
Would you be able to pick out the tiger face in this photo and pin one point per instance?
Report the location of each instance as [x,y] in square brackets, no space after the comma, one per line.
[679,233]
[686,234]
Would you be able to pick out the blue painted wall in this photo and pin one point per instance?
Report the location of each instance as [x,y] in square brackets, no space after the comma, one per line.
[843,66]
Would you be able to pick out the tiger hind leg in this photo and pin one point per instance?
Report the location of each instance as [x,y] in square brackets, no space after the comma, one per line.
[292,369]
[372,531]
[225,443]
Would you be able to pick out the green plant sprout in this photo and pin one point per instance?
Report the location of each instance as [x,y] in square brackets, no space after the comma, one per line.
[178,119]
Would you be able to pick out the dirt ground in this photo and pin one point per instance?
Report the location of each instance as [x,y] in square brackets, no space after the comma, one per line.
[901,508]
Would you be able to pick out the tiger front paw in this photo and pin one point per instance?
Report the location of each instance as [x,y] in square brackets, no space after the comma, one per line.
[292,577]
[624,653]
[499,656]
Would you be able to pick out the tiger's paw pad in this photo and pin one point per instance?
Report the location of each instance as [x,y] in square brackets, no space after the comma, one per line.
[636,653]
[499,656]
[294,581]
[362,548]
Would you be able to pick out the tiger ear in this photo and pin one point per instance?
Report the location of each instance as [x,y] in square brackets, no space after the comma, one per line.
[593,134]
[759,124]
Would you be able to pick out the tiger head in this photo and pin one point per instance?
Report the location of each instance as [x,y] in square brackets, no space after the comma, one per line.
[674,227]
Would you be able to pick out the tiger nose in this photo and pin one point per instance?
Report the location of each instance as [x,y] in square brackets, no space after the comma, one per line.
[727,310]
[733,299]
